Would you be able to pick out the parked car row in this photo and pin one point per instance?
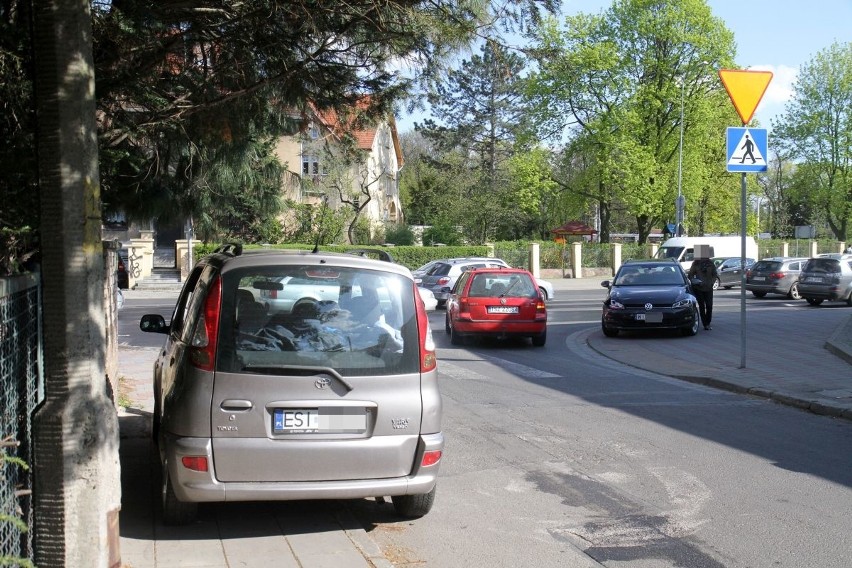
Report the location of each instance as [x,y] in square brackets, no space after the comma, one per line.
[827,277]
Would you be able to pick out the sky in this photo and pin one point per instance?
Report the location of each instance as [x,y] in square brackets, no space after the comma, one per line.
[771,35]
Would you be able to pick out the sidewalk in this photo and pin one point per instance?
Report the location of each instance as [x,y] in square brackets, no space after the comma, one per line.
[807,365]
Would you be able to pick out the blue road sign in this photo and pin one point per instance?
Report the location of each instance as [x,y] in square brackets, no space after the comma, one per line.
[747,150]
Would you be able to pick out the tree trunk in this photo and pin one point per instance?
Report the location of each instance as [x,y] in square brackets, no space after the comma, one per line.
[76,471]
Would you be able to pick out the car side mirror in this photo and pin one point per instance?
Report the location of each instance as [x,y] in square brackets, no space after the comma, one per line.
[153,323]
[606,283]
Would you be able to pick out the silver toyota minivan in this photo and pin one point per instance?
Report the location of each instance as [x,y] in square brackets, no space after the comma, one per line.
[337,399]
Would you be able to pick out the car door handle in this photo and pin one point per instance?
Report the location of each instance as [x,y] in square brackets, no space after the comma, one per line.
[236,405]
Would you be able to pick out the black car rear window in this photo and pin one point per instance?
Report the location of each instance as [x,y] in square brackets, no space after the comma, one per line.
[275,320]
[827,265]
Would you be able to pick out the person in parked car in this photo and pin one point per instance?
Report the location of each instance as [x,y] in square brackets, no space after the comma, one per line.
[705,271]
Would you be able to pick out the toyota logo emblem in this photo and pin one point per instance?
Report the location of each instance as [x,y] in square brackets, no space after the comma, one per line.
[322,382]
[649,306]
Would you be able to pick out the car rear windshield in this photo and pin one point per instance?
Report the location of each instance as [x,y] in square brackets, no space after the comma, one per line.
[281,319]
[827,265]
[494,285]
[766,265]
[650,275]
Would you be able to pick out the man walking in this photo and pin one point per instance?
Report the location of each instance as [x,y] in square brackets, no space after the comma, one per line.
[705,271]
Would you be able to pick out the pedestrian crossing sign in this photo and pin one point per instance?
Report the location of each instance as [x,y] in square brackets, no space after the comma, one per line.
[747,150]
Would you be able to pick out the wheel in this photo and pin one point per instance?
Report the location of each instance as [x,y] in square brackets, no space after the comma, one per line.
[447,323]
[793,294]
[716,284]
[693,329]
[455,337]
[608,331]
[441,304]
[540,340]
[543,293]
[849,300]
[175,511]
[814,301]
[727,287]
[414,506]
[759,294]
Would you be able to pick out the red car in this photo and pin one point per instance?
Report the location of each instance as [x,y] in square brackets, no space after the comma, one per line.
[496,302]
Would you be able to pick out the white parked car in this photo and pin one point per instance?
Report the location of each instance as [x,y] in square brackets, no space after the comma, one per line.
[428,298]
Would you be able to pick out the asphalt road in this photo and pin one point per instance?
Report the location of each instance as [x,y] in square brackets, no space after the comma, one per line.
[560,457]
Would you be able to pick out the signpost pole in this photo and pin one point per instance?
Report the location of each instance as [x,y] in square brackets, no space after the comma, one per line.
[743,221]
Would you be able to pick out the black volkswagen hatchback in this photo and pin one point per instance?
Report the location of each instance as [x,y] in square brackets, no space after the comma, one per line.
[649,294]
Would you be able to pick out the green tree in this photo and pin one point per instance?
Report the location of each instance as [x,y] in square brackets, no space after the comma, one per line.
[816,130]
[616,81]
[479,117]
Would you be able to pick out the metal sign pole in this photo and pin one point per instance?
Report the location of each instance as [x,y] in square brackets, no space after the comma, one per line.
[743,219]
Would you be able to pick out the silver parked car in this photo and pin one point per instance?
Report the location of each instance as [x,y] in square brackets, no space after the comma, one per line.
[827,277]
[440,276]
[776,275]
[334,399]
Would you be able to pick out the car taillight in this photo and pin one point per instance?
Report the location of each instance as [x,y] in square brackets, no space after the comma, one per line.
[748,273]
[428,359]
[443,281]
[540,310]
[195,463]
[202,350]
[272,294]
[777,275]
[430,457]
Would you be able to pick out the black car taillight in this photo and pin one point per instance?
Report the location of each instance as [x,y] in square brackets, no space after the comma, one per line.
[428,359]
[202,351]
[777,275]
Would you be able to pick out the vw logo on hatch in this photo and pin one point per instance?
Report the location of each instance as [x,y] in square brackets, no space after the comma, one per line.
[649,306]
[502,301]
[322,382]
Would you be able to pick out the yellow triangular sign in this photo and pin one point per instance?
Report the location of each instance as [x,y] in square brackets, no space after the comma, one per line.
[745,88]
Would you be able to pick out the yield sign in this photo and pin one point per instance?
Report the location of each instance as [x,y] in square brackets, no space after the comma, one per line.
[745,88]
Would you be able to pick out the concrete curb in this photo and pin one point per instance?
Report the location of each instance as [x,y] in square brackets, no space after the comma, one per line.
[840,342]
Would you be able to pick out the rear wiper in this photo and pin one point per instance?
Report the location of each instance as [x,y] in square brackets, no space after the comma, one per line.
[297,370]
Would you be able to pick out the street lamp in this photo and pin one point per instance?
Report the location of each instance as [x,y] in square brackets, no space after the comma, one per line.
[680,202]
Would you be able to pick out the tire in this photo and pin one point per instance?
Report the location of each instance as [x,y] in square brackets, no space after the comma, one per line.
[793,294]
[716,284]
[175,511]
[543,293]
[693,329]
[455,337]
[849,300]
[414,506]
[441,304]
[814,301]
[447,323]
[759,294]
[539,340]
[608,331]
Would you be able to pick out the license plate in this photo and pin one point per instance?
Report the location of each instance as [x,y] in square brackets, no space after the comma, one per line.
[502,309]
[296,420]
[813,279]
[312,420]
[651,317]
[759,278]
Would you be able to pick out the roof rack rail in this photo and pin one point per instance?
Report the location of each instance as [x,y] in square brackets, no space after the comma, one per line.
[372,253]
[234,249]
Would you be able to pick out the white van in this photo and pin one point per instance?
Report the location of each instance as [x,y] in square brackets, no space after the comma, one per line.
[683,248]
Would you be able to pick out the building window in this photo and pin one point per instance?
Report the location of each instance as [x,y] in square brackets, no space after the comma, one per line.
[310,165]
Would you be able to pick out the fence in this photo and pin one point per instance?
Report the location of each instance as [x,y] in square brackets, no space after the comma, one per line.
[21,389]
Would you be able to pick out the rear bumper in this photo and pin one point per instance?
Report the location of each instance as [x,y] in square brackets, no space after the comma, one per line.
[199,487]
[500,328]
[823,292]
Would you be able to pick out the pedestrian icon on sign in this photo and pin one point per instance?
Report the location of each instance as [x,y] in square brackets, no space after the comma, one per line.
[746,150]
[749,150]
